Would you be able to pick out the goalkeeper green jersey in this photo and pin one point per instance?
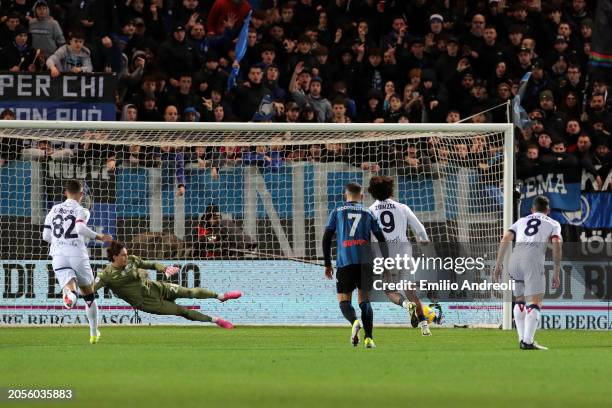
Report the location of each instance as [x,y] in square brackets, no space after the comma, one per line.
[131,283]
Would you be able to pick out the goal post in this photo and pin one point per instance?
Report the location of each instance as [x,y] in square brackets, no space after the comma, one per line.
[225,200]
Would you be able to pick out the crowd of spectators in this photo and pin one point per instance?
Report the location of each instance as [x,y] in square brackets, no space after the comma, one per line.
[334,61]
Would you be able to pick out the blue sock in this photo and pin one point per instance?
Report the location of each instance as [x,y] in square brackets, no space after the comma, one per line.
[348,311]
[367,317]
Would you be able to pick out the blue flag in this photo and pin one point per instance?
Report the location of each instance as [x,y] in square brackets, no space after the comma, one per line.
[519,115]
[241,47]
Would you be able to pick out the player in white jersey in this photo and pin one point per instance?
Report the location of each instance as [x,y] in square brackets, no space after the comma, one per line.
[66,230]
[531,235]
[394,219]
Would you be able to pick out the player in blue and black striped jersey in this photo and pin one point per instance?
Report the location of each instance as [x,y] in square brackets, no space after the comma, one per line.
[353,225]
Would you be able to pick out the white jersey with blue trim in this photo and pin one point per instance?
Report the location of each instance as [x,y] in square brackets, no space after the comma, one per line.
[61,227]
[531,236]
[395,218]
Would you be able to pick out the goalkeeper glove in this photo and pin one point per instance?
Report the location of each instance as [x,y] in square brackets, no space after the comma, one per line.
[171,270]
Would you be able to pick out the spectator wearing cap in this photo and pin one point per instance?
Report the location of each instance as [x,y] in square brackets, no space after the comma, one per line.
[519,15]
[292,112]
[523,63]
[346,69]
[538,82]
[560,49]
[131,76]
[19,55]
[46,33]
[586,31]
[435,99]
[144,35]
[515,41]
[222,10]
[210,75]
[190,114]
[313,97]
[416,58]
[7,30]
[123,44]
[373,109]
[271,81]
[73,57]
[323,68]
[552,119]
[461,86]
[177,55]
[436,24]
[149,112]
[446,65]
[544,143]
[602,156]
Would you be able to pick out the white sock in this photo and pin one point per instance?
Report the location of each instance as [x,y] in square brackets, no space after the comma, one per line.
[519,319]
[405,304]
[532,319]
[92,316]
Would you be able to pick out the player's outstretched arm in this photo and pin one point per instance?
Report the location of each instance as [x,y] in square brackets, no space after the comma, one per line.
[505,243]
[154,266]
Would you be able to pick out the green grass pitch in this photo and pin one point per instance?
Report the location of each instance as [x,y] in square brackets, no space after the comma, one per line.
[162,366]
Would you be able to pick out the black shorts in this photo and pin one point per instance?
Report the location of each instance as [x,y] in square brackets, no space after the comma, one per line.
[350,277]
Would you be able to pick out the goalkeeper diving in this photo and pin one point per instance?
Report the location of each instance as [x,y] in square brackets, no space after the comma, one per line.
[127,277]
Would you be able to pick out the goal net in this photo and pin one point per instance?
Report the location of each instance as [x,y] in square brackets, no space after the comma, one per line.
[241,206]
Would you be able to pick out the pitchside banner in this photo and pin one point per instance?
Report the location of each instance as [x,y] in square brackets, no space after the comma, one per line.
[290,293]
[89,97]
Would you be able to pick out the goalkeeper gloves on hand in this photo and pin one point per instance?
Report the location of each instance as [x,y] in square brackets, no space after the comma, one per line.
[171,270]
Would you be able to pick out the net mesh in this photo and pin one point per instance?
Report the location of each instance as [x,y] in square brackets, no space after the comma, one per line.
[239,202]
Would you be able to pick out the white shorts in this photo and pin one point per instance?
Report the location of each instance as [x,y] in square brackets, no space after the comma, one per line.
[71,267]
[529,278]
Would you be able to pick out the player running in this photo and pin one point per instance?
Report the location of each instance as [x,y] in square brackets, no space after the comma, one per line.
[531,235]
[65,228]
[128,281]
[394,219]
[352,224]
